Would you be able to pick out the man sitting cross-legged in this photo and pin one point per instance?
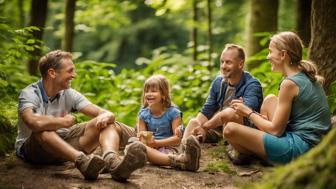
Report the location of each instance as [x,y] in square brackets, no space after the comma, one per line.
[47,133]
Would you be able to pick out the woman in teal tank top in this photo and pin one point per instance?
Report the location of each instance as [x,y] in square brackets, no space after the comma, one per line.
[292,123]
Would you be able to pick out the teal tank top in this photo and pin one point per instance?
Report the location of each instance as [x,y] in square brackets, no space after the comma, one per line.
[310,115]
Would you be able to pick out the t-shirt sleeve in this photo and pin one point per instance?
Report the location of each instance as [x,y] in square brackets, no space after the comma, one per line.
[28,99]
[174,113]
[79,101]
[143,113]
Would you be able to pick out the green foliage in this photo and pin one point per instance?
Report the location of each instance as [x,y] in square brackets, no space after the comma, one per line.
[332,98]
[122,93]
[15,45]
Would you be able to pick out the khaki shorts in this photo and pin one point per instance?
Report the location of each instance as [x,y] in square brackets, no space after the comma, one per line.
[34,152]
[126,132]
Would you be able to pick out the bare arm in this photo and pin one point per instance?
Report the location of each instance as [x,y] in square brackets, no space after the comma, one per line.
[38,123]
[141,125]
[288,91]
[222,117]
[103,116]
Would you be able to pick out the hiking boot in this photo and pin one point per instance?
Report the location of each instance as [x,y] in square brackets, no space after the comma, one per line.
[121,169]
[189,159]
[236,157]
[112,160]
[89,166]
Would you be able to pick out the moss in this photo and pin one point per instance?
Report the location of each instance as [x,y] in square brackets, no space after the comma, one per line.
[221,165]
[315,169]
[7,127]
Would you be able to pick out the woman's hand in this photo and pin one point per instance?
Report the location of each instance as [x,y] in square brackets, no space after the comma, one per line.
[240,108]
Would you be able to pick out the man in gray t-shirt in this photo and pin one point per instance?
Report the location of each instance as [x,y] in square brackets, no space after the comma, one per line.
[47,133]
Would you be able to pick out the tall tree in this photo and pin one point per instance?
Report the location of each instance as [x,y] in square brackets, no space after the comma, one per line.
[70,7]
[323,39]
[209,29]
[194,30]
[38,16]
[303,20]
[21,13]
[263,17]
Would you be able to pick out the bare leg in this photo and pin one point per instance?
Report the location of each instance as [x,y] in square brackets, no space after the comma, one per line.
[193,123]
[54,144]
[108,137]
[245,139]
[269,105]
[157,158]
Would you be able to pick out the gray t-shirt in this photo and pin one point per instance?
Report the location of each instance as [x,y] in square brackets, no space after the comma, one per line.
[34,97]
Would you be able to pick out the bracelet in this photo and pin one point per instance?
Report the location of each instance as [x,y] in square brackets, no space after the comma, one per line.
[249,115]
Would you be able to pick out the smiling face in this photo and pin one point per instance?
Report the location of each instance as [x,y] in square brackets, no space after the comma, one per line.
[153,96]
[275,57]
[64,75]
[156,92]
[230,63]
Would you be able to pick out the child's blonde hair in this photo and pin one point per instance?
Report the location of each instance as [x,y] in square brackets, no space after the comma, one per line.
[160,82]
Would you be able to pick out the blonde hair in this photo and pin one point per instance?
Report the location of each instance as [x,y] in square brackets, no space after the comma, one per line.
[159,82]
[292,43]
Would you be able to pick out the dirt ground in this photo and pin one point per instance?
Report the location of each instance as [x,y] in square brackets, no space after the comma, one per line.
[14,173]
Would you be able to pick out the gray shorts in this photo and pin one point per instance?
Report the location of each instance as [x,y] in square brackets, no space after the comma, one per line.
[33,152]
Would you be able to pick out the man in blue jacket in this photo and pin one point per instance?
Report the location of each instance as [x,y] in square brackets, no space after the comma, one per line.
[232,83]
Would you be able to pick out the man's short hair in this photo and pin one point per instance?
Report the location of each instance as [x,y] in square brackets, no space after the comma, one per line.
[241,51]
[52,60]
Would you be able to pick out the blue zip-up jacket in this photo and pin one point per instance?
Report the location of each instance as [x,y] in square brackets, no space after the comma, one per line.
[249,88]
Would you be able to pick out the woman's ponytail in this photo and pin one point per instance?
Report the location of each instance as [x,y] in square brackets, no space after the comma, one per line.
[310,70]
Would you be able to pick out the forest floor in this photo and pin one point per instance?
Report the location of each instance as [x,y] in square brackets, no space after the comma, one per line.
[216,171]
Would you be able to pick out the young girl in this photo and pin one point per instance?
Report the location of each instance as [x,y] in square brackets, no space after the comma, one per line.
[161,119]
[294,122]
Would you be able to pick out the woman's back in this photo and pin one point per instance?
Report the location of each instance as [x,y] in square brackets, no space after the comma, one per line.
[310,115]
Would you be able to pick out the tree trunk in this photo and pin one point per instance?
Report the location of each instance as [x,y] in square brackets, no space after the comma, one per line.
[263,17]
[323,39]
[38,16]
[209,31]
[303,20]
[69,25]
[194,30]
[21,13]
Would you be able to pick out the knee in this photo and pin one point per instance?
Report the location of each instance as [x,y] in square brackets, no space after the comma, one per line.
[227,115]
[44,136]
[193,123]
[229,130]
[271,98]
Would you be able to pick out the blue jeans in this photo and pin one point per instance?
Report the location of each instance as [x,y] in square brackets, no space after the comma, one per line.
[285,148]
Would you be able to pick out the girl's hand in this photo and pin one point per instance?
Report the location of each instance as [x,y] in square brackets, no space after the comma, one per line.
[151,143]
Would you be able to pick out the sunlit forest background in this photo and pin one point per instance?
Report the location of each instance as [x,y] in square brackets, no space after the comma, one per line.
[117,44]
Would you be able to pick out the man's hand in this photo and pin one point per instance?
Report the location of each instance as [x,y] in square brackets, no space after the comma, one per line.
[200,133]
[104,119]
[69,120]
